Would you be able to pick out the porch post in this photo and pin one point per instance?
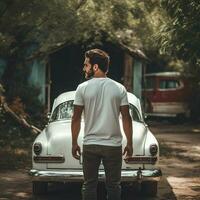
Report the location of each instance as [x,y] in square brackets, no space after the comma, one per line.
[137,78]
[128,74]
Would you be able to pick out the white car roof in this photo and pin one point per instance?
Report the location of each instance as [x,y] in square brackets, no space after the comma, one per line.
[67,96]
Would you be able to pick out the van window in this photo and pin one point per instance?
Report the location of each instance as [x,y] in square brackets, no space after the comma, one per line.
[169,84]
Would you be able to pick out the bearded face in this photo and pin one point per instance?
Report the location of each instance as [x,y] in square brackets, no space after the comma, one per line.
[88,69]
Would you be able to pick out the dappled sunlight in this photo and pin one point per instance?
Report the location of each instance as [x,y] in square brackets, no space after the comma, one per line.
[19,151]
[21,194]
[195,156]
[196,130]
[179,169]
[197,148]
[7,179]
[182,150]
[180,162]
[185,187]
[20,188]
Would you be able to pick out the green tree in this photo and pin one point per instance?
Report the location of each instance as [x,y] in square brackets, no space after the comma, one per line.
[35,28]
[169,32]
[54,23]
[179,37]
[181,32]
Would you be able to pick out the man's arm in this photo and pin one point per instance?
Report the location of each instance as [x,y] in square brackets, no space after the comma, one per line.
[75,129]
[127,126]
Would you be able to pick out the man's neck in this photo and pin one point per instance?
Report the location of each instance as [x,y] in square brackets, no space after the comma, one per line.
[99,75]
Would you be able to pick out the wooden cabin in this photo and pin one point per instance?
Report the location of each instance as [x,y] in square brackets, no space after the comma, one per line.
[61,70]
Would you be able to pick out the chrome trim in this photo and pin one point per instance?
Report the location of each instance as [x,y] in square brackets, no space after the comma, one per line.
[141,160]
[129,175]
[49,159]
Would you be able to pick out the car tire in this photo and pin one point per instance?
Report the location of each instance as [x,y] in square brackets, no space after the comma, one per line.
[149,188]
[39,187]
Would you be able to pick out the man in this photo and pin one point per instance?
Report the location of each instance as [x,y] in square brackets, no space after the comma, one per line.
[102,100]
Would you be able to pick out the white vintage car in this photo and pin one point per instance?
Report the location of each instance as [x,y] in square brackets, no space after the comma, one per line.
[52,160]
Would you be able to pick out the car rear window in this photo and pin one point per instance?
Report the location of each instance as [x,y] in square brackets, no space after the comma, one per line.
[63,111]
[134,113]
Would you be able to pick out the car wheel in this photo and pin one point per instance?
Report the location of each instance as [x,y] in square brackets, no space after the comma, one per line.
[39,187]
[149,188]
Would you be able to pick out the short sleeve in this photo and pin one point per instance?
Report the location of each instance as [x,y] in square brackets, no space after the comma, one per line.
[124,99]
[78,97]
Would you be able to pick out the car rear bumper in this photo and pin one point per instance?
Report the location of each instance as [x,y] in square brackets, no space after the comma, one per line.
[77,175]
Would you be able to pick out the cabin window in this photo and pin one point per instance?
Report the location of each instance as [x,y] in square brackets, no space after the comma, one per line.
[149,83]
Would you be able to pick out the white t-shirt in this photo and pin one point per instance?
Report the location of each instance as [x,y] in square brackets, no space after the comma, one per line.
[101,98]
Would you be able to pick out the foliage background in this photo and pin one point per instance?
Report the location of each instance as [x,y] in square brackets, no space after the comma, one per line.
[166,30]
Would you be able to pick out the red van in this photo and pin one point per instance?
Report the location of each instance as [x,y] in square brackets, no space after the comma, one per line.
[165,94]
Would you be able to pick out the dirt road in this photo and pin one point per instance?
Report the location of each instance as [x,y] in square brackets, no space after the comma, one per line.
[180,163]
[180,160]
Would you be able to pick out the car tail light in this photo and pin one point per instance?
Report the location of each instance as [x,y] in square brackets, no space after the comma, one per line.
[37,148]
[153,149]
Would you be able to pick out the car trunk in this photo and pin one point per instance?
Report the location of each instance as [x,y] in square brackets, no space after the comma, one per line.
[59,143]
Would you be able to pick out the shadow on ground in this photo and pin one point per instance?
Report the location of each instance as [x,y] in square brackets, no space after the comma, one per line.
[17,185]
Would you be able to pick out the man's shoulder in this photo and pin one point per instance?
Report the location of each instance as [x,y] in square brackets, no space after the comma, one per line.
[116,83]
[83,84]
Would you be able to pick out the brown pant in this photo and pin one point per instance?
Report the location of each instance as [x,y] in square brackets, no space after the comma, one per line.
[111,158]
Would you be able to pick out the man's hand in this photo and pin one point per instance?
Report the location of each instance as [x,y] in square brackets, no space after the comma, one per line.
[76,151]
[128,151]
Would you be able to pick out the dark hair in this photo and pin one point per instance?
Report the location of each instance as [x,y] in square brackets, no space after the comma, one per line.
[100,57]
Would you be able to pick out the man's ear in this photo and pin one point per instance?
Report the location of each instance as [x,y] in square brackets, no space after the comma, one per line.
[95,67]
